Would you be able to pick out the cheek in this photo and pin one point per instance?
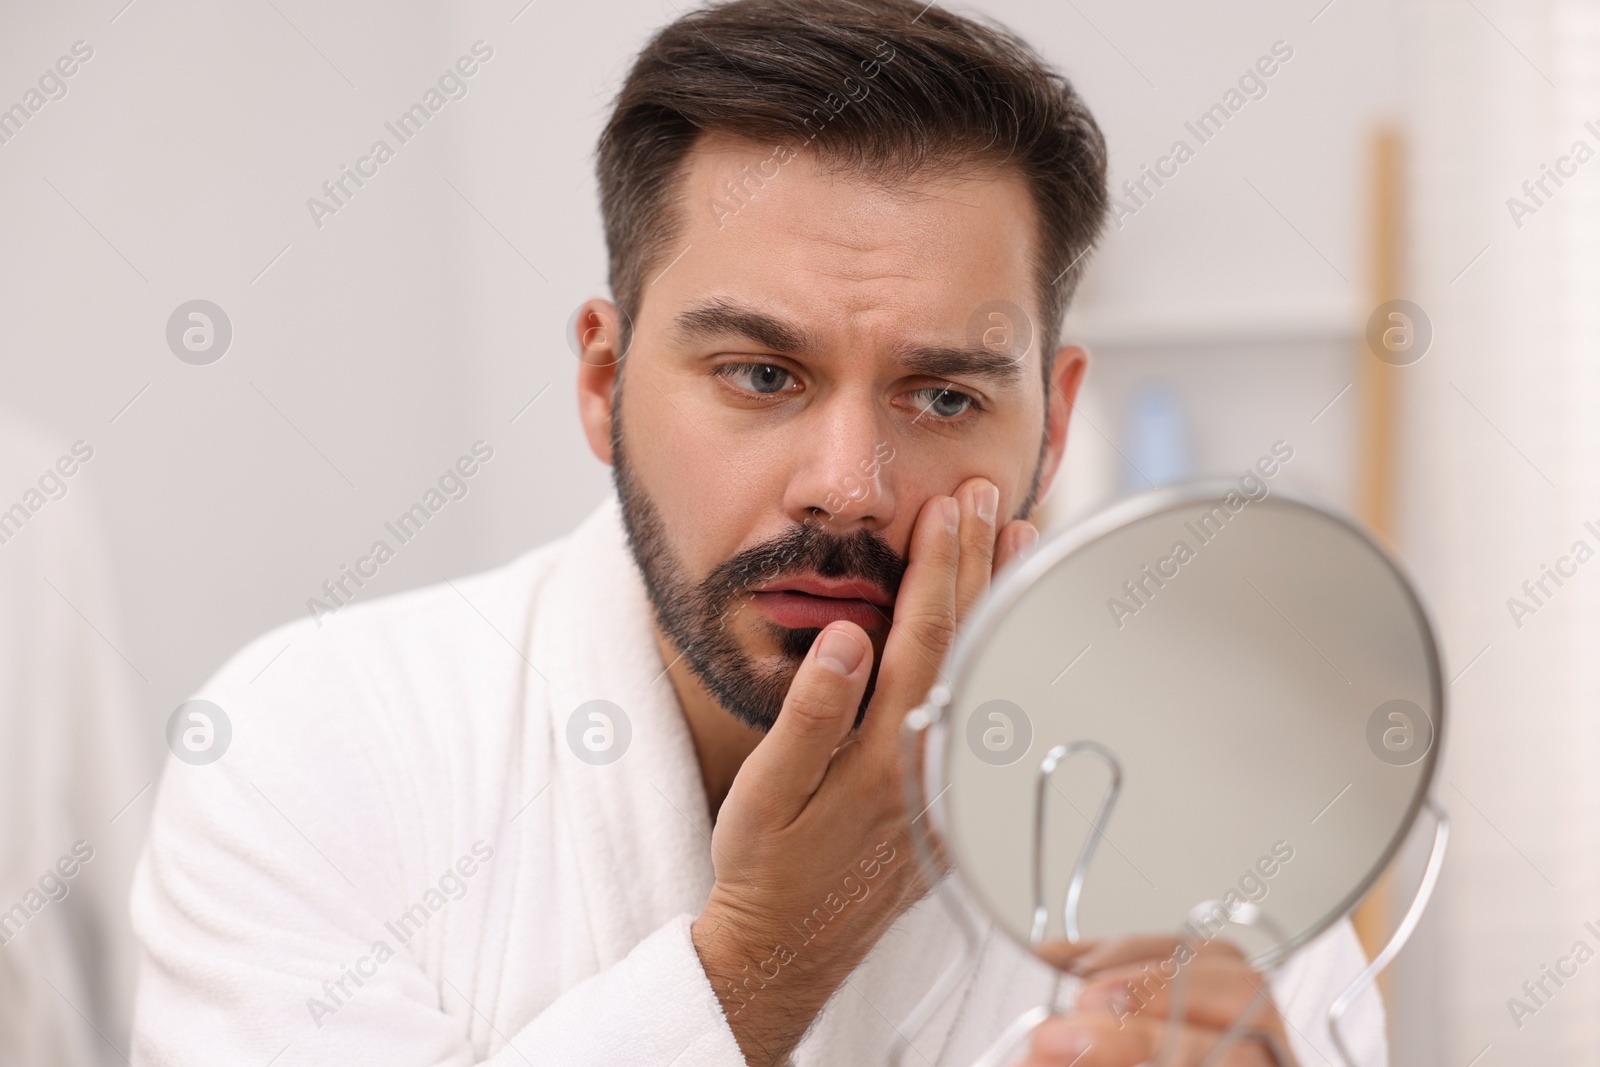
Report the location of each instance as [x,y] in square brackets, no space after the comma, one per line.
[711,488]
[1004,454]
[1024,452]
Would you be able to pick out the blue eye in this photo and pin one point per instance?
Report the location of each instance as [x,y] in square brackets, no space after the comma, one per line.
[764,378]
[945,403]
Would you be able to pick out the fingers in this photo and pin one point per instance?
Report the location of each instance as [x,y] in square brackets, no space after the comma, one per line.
[1098,1041]
[1064,955]
[1015,538]
[789,763]
[946,574]
[924,621]
[980,506]
[1217,990]
[1085,959]
[1126,998]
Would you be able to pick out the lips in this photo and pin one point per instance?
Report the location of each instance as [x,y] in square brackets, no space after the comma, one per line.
[812,603]
[838,588]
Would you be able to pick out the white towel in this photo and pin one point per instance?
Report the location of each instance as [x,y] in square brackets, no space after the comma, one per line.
[378,760]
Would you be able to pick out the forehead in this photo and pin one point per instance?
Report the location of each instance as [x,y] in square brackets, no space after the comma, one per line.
[772,227]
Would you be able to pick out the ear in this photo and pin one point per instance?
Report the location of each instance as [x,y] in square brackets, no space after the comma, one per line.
[1066,376]
[597,338]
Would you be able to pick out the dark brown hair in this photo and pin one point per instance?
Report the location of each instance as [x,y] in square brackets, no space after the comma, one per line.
[884,89]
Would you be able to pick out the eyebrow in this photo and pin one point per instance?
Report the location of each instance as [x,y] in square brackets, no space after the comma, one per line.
[972,361]
[725,318]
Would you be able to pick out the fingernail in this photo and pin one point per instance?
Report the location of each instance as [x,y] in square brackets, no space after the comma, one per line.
[1057,1038]
[952,514]
[987,500]
[1028,537]
[839,651]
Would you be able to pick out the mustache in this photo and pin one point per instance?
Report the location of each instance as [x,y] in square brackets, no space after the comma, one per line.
[807,548]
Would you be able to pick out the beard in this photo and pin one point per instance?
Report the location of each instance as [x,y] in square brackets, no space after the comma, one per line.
[697,616]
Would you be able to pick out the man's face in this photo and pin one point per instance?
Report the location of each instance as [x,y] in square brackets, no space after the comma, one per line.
[819,361]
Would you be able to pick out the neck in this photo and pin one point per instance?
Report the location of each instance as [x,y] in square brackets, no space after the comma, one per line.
[721,742]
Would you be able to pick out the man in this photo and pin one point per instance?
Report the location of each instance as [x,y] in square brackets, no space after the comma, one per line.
[635,798]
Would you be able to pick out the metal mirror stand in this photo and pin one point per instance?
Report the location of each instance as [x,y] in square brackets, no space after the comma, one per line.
[913,735]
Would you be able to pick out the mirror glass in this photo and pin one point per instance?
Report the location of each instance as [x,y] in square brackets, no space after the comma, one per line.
[1257,672]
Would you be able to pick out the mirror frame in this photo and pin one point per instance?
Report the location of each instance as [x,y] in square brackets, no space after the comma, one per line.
[1027,570]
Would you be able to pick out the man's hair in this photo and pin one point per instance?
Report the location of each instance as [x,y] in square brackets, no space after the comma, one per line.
[881,89]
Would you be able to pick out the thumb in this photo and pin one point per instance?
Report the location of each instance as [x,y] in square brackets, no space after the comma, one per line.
[788,765]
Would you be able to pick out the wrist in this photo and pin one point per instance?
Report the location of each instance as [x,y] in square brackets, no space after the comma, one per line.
[769,1001]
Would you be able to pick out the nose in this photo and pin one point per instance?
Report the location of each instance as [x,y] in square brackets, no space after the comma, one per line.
[840,472]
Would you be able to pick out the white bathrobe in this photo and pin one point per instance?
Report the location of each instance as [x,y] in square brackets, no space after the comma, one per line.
[400,860]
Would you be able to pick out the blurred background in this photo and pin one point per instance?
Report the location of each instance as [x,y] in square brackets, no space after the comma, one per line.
[173,508]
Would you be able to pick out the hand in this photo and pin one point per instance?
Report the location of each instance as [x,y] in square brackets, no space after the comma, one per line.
[1123,1006]
[812,849]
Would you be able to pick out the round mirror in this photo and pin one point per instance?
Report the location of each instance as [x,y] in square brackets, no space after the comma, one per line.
[1202,695]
